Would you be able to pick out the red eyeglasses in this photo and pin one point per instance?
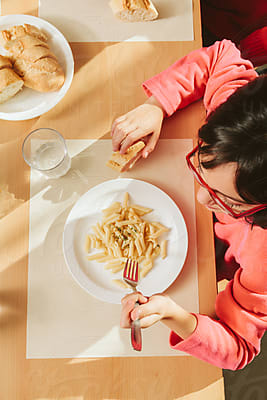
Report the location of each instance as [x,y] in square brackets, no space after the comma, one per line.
[213,194]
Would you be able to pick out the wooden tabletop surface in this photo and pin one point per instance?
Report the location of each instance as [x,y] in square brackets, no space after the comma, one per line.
[182,377]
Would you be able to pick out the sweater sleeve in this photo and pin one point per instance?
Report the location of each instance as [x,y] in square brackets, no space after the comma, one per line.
[234,340]
[213,73]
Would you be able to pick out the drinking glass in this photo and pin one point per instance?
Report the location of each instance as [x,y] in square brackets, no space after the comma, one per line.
[45,150]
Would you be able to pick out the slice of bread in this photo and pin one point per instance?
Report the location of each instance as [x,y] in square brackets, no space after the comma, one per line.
[123,162]
[134,10]
[10,82]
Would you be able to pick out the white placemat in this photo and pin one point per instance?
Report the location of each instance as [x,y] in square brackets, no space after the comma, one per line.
[93,21]
[64,321]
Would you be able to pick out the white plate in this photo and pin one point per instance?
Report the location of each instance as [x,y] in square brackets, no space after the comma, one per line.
[87,212]
[29,103]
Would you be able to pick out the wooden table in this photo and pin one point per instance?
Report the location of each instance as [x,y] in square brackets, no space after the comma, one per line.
[110,378]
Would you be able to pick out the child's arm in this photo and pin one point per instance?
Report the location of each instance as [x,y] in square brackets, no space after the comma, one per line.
[201,336]
[213,73]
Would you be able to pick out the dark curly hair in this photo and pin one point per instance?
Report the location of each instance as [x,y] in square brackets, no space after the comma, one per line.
[237,132]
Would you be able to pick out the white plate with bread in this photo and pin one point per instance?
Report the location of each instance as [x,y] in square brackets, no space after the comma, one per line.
[36,67]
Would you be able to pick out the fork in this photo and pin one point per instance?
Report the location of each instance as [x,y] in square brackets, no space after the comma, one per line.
[130,276]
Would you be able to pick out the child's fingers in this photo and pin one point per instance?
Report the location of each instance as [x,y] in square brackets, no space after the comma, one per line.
[128,304]
[131,138]
[115,124]
[120,132]
[156,305]
[150,144]
[146,315]
[150,320]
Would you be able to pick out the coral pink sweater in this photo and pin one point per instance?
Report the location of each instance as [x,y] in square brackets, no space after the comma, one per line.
[232,340]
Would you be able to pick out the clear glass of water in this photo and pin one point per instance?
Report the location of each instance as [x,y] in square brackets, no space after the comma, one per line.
[45,150]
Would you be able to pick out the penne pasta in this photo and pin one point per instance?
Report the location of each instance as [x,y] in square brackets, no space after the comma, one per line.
[96,256]
[122,234]
[163,249]
[87,243]
[125,200]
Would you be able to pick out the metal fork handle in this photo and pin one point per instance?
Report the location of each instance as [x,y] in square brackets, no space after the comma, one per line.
[136,336]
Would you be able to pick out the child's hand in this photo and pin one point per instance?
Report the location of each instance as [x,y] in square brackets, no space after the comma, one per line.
[154,309]
[128,303]
[144,121]
[150,311]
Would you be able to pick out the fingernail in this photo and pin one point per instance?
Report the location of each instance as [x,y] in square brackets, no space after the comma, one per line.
[146,154]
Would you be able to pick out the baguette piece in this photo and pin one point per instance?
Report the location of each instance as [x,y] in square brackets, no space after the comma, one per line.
[134,10]
[17,47]
[33,61]
[45,75]
[123,162]
[19,31]
[10,82]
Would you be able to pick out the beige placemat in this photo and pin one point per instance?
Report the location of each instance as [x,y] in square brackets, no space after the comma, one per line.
[93,21]
[63,320]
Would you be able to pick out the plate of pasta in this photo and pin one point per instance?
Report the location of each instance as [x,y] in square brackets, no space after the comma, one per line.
[119,219]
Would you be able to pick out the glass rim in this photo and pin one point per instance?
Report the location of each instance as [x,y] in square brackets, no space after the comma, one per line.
[58,135]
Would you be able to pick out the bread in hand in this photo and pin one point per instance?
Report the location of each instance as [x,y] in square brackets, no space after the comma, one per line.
[10,82]
[123,162]
[134,10]
[33,61]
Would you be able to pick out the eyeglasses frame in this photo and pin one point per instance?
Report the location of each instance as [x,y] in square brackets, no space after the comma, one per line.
[212,193]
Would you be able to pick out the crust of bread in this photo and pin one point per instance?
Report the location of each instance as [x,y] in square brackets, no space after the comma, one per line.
[134,10]
[19,31]
[16,47]
[123,162]
[7,77]
[44,75]
[36,53]
[5,62]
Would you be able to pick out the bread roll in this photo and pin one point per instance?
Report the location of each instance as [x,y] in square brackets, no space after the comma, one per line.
[10,82]
[33,60]
[134,10]
[123,162]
